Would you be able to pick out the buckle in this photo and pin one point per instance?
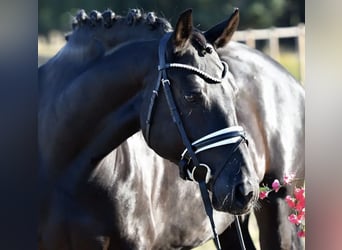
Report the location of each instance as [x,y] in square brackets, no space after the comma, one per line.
[198,175]
[165,81]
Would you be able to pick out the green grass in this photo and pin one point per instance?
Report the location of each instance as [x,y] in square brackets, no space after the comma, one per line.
[290,61]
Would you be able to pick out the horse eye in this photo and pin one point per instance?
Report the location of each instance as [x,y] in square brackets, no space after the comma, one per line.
[193,97]
[189,98]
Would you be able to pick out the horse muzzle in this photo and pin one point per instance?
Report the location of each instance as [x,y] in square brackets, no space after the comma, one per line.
[236,198]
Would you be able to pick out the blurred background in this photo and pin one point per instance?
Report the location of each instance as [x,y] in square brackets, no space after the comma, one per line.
[276,27]
[56,14]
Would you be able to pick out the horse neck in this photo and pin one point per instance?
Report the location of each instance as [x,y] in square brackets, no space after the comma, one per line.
[67,64]
[112,81]
[115,128]
[98,92]
[121,33]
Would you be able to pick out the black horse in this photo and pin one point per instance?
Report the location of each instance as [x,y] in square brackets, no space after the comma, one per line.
[198,239]
[252,103]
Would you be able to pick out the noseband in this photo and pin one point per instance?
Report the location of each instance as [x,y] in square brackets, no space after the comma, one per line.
[226,136]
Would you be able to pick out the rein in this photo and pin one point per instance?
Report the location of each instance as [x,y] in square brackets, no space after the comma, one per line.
[226,136]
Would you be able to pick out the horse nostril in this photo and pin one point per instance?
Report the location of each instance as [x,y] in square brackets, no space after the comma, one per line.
[243,193]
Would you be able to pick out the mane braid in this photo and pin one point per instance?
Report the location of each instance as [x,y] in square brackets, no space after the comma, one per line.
[134,16]
[108,17]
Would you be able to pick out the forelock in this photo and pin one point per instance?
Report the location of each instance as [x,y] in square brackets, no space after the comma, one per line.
[199,41]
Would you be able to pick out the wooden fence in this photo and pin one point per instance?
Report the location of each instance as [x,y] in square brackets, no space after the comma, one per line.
[49,47]
[273,35]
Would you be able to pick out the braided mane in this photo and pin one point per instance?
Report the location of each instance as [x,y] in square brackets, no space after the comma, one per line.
[107,18]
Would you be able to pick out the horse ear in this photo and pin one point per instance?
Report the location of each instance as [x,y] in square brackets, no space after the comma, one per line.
[183,30]
[220,34]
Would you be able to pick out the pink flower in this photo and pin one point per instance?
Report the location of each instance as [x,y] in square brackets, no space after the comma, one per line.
[300,205]
[299,194]
[301,214]
[288,178]
[295,203]
[301,234]
[263,194]
[276,185]
[290,201]
[294,219]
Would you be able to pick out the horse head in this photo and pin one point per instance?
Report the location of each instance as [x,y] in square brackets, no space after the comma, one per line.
[193,121]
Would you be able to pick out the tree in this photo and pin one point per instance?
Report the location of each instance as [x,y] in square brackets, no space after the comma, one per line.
[254,13]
